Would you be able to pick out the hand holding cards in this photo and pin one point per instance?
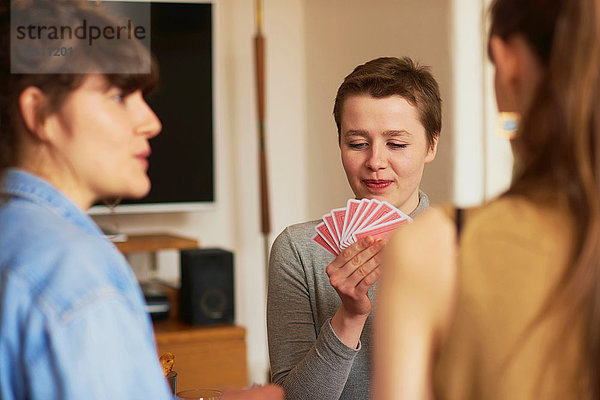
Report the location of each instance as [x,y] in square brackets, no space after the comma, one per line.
[360,218]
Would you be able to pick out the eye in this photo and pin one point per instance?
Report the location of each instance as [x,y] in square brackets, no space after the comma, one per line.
[395,145]
[358,145]
[119,97]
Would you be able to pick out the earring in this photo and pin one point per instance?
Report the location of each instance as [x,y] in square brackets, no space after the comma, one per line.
[508,125]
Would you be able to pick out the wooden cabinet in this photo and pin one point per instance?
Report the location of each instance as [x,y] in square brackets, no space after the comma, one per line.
[155,242]
[212,356]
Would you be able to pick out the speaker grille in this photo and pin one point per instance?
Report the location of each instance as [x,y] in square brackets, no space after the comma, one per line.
[207,286]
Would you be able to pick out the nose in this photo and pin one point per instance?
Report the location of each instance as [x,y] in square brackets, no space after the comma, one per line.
[148,123]
[376,159]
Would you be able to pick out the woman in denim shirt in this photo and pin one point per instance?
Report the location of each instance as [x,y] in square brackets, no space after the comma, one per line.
[72,317]
[74,129]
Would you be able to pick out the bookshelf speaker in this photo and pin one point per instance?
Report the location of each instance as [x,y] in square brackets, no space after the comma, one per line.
[206,295]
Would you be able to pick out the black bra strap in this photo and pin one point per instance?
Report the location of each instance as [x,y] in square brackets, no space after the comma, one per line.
[458,220]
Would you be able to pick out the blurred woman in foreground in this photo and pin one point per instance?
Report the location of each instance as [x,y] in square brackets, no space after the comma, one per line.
[514,313]
[74,129]
[72,317]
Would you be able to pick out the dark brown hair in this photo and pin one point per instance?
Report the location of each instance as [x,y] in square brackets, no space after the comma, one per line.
[56,77]
[557,148]
[390,76]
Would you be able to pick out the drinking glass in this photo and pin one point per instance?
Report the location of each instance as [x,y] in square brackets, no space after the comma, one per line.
[172,379]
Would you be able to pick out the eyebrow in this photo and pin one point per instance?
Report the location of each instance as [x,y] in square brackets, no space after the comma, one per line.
[390,133]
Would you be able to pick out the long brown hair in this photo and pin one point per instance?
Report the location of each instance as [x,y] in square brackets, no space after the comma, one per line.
[557,147]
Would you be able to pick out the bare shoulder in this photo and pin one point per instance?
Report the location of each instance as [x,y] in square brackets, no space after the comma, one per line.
[414,303]
[420,265]
[434,221]
[423,247]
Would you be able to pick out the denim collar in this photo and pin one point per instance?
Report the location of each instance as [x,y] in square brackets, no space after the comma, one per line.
[18,183]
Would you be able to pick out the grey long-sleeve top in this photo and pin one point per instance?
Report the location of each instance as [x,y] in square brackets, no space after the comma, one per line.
[307,357]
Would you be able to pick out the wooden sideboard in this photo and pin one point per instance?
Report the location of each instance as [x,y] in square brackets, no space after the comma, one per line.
[155,242]
[211,356]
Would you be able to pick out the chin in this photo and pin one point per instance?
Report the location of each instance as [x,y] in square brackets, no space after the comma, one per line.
[137,189]
[141,193]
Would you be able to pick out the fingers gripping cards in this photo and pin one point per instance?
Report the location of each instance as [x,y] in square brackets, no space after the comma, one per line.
[360,218]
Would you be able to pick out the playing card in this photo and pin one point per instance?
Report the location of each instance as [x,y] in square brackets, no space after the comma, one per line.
[379,231]
[356,219]
[371,205]
[377,214]
[360,218]
[324,244]
[339,214]
[390,216]
[330,225]
[352,207]
[324,233]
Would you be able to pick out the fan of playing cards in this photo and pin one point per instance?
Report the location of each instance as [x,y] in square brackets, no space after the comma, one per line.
[360,218]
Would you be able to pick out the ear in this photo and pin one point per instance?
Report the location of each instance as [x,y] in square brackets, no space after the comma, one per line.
[31,104]
[506,60]
[431,151]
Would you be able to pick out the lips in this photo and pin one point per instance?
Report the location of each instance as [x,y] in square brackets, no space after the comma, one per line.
[144,154]
[143,157]
[377,184]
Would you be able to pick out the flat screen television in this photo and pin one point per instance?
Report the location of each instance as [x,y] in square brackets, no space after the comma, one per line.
[182,160]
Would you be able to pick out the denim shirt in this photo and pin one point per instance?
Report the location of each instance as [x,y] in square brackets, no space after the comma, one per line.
[72,317]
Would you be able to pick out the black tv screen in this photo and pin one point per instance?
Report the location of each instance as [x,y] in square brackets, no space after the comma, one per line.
[181,164]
